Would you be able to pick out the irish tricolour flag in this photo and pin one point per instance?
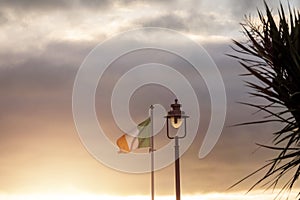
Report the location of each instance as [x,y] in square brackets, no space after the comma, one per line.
[139,139]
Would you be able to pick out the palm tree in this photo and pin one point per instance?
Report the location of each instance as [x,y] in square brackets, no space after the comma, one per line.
[271,54]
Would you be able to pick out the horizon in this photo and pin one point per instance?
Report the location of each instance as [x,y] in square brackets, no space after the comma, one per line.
[210,196]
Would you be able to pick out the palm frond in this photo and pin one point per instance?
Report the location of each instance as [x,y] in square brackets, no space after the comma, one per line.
[272,55]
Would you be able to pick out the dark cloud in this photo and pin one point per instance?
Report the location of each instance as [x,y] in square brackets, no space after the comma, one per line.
[167,21]
[92,4]
[39,81]
[3,18]
[199,20]
[239,9]
[35,4]
[27,6]
[195,22]
[235,8]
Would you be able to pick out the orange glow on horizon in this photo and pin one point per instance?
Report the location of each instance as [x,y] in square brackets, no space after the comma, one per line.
[86,196]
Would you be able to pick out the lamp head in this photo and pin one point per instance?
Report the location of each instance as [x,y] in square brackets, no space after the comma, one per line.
[175,115]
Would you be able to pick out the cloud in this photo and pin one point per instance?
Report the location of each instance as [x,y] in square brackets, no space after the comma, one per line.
[34,4]
[167,21]
[195,23]
[3,18]
[241,8]
[59,5]
[46,69]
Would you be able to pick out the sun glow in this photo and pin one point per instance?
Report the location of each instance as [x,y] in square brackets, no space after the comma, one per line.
[85,196]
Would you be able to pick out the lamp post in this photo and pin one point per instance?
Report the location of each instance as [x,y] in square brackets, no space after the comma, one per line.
[177,118]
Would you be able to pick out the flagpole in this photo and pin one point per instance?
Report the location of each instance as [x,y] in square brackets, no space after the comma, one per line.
[152,153]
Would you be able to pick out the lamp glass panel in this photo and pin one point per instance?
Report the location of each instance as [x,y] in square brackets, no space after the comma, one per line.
[176,123]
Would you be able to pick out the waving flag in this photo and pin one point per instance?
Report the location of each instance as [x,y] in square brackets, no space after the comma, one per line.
[139,139]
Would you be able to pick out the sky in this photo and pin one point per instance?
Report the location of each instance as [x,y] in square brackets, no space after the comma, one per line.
[44,43]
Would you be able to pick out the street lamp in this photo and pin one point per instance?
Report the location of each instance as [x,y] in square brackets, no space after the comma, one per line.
[177,118]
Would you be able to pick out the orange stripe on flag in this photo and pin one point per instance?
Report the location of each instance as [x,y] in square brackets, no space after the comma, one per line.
[122,144]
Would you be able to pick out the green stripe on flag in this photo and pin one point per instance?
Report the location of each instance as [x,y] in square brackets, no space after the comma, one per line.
[144,133]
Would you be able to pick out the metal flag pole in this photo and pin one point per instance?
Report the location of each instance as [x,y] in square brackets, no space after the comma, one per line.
[152,153]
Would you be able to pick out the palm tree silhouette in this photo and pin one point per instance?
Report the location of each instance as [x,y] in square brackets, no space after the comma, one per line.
[272,55]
